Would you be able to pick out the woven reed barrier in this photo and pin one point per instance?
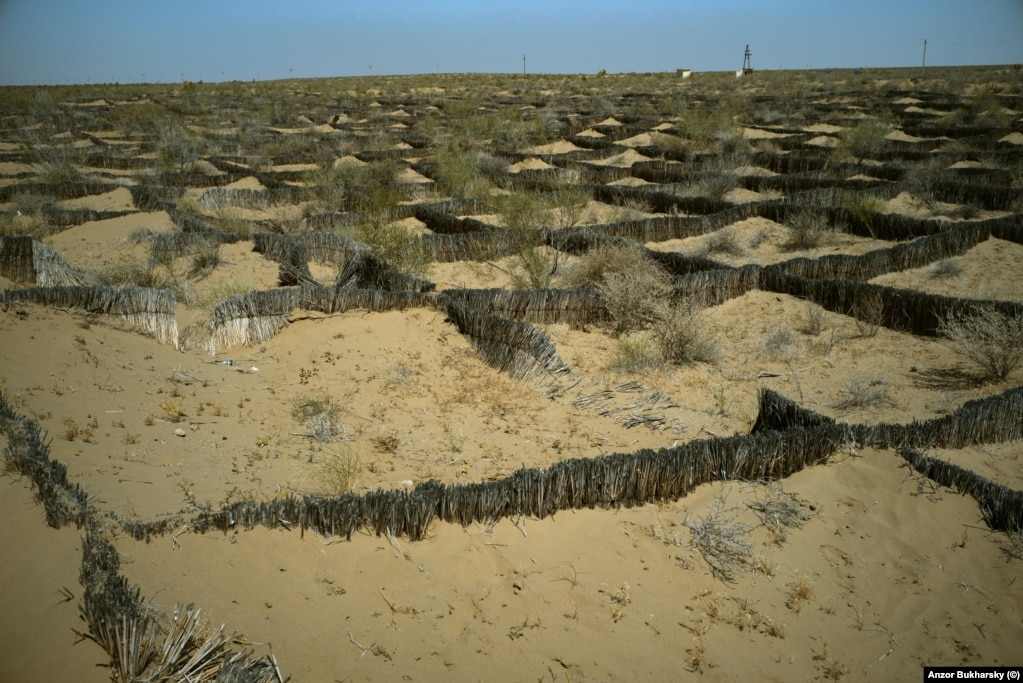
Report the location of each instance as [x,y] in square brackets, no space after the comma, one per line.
[470,246]
[1001,506]
[251,199]
[166,246]
[17,262]
[447,224]
[151,310]
[714,287]
[341,299]
[575,307]
[915,254]
[63,218]
[523,351]
[188,221]
[113,609]
[52,270]
[609,481]
[251,318]
[901,309]
[55,190]
[986,196]
[154,198]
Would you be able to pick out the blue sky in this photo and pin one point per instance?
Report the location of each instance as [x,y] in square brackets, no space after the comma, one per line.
[90,41]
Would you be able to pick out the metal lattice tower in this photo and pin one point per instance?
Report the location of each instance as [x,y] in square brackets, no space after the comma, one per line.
[747,68]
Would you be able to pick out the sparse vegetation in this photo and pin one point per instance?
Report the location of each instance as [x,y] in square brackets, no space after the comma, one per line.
[337,472]
[808,229]
[990,340]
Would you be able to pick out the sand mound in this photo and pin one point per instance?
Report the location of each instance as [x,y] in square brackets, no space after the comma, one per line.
[559,147]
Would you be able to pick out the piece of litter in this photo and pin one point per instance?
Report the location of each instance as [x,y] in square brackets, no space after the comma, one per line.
[253,369]
[180,432]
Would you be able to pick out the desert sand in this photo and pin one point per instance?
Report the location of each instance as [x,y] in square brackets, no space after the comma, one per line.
[880,571]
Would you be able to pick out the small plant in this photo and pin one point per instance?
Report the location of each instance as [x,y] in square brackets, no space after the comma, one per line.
[724,241]
[632,297]
[779,344]
[174,410]
[808,229]
[71,429]
[945,269]
[799,592]
[991,340]
[680,333]
[322,417]
[722,541]
[338,472]
[634,352]
[204,262]
[859,393]
[814,319]
[779,512]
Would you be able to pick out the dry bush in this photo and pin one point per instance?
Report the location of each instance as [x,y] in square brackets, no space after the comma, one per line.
[634,352]
[606,259]
[724,241]
[859,393]
[722,541]
[808,229]
[945,269]
[681,335]
[203,262]
[799,592]
[990,340]
[779,344]
[778,512]
[321,416]
[633,297]
[814,319]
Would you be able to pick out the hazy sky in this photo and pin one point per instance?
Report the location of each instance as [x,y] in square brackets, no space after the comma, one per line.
[90,41]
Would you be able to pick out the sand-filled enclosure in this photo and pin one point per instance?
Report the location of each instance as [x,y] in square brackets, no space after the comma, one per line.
[509,378]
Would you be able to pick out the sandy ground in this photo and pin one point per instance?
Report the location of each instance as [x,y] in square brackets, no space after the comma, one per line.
[884,573]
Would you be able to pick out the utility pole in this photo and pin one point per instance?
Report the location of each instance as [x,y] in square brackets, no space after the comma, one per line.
[523,65]
[923,65]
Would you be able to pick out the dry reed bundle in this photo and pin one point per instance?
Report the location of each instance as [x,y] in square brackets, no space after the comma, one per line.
[251,318]
[900,309]
[52,270]
[915,254]
[518,348]
[576,307]
[154,198]
[17,262]
[1001,506]
[779,413]
[713,287]
[167,246]
[469,246]
[151,310]
[340,299]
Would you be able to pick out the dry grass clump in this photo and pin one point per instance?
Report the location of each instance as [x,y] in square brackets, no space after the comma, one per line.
[338,472]
[860,393]
[808,229]
[321,416]
[990,340]
[132,273]
[634,352]
[682,337]
[724,241]
[814,323]
[607,259]
[945,269]
[779,344]
[800,591]
[203,263]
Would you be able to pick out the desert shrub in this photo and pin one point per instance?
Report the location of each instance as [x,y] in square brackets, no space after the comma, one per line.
[177,149]
[634,352]
[679,331]
[632,296]
[991,340]
[945,269]
[862,206]
[567,203]
[605,259]
[392,243]
[808,229]
[862,140]
[724,241]
[321,416]
[523,215]
[458,172]
[722,540]
[860,393]
[203,262]
[338,472]
[131,273]
[631,210]
[779,344]
[814,319]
